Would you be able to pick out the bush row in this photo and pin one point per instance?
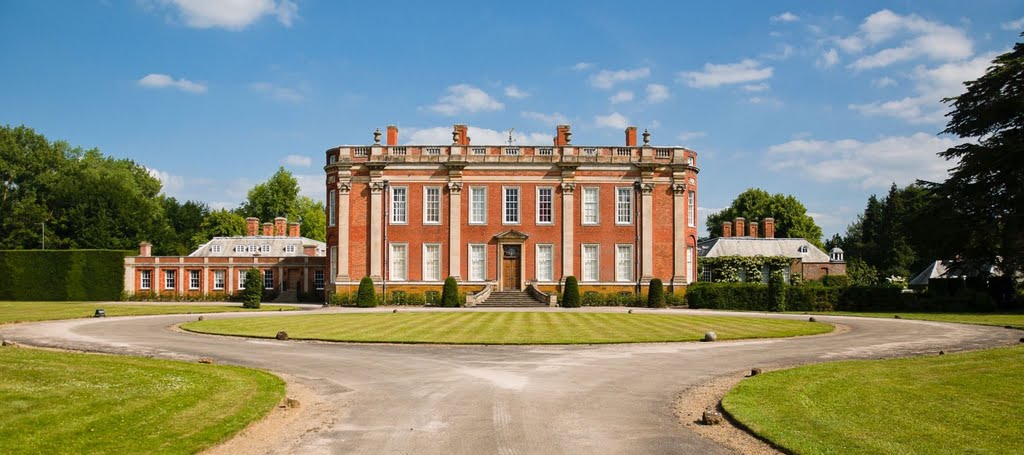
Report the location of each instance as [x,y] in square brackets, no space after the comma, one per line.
[46,275]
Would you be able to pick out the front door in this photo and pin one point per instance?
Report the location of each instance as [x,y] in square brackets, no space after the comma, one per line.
[510,257]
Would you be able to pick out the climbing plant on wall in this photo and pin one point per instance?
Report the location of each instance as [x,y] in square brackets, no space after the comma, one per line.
[736,269]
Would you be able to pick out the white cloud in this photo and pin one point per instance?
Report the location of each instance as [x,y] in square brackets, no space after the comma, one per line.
[657,93]
[691,135]
[884,82]
[172,184]
[478,136]
[465,98]
[514,92]
[785,51]
[234,14]
[828,59]
[931,86]
[613,120]
[156,80]
[582,66]
[918,37]
[278,93]
[702,215]
[553,118]
[606,79]
[624,96]
[755,87]
[714,75]
[900,159]
[297,160]
[1013,26]
[765,100]
[311,185]
[785,17]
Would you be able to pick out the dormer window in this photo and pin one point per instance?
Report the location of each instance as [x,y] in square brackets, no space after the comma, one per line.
[803,249]
[289,249]
[264,248]
[215,248]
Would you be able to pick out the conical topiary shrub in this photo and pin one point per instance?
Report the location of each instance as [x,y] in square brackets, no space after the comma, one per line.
[656,294]
[450,293]
[571,294]
[252,293]
[367,295]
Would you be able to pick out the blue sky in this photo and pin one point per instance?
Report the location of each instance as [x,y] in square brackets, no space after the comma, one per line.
[827,101]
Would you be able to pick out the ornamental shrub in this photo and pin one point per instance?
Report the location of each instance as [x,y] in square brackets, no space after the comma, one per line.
[728,296]
[571,294]
[253,292]
[366,296]
[656,294]
[840,281]
[776,291]
[450,293]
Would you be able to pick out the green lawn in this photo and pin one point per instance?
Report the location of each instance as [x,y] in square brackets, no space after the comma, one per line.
[959,403]
[508,328]
[55,402]
[43,311]
[1006,319]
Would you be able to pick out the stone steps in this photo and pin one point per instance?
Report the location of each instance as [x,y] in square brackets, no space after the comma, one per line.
[510,299]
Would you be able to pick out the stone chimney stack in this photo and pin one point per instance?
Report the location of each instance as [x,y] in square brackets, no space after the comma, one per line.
[462,135]
[252,226]
[563,135]
[280,225]
[309,250]
[740,226]
[392,135]
[769,228]
[726,229]
[631,136]
[145,249]
[268,229]
[753,229]
[293,229]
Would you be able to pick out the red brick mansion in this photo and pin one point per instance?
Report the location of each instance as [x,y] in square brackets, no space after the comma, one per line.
[508,217]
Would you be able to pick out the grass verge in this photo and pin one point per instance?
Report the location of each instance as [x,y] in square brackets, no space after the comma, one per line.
[508,328]
[960,403]
[57,402]
[11,312]
[1005,319]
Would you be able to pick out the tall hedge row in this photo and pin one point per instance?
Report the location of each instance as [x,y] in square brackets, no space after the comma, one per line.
[75,275]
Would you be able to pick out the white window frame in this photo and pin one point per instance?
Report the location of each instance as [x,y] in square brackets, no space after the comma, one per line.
[170,279]
[264,248]
[195,279]
[689,264]
[597,206]
[395,219]
[398,273]
[289,248]
[268,274]
[597,262]
[435,271]
[334,263]
[691,209]
[241,278]
[472,218]
[332,207]
[551,205]
[543,274]
[483,261]
[218,280]
[145,279]
[215,248]
[621,256]
[629,203]
[427,205]
[318,279]
[504,205]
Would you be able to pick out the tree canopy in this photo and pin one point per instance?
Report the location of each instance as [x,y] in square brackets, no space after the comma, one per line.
[279,196]
[791,218]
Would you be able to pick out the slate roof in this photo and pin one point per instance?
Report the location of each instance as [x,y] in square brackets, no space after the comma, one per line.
[750,246]
[258,245]
[947,269]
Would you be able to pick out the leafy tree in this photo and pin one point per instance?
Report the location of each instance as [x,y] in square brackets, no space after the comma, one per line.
[656,294]
[276,197]
[252,293]
[860,273]
[367,295]
[791,218]
[450,293]
[219,223]
[183,222]
[981,204]
[894,234]
[571,294]
[313,216]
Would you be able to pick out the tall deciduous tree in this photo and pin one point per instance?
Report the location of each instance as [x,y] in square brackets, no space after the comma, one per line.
[791,218]
[314,219]
[983,198]
[276,197]
[219,223]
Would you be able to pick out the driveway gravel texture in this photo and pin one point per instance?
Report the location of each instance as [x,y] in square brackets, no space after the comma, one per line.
[443,399]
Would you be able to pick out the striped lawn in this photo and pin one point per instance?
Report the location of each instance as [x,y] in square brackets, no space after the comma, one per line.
[508,328]
[11,312]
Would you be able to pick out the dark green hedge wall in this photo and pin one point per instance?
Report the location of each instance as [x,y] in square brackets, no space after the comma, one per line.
[75,275]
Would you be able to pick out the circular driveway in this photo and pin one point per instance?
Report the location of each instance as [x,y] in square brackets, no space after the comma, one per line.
[436,399]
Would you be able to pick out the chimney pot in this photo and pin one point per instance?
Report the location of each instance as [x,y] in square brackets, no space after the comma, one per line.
[268,229]
[726,229]
[309,250]
[769,228]
[293,229]
[753,229]
[740,225]
[631,136]
[461,135]
[563,134]
[252,226]
[280,224]
[145,249]
[392,135]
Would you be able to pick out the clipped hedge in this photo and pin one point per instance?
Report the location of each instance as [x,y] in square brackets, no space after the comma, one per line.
[60,275]
[755,297]
[840,281]
[728,296]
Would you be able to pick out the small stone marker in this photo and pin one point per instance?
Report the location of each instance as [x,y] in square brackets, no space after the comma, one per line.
[942,352]
[755,371]
[200,318]
[206,360]
[811,319]
[100,313]
[712,417]
[291,403]
[1022,340]
[710,336]
[897,317]
[14,345]
[630,311]
[282,335]
[395,310]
